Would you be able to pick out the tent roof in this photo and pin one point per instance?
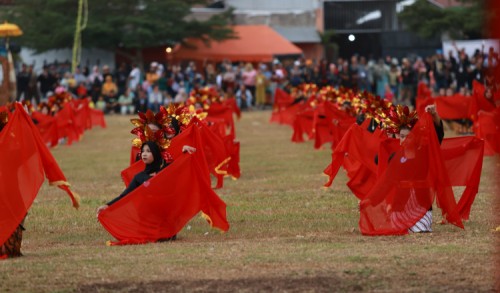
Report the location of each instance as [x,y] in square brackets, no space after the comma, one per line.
[255,43]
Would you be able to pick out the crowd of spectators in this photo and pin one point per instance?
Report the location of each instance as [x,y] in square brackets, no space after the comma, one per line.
[128,89]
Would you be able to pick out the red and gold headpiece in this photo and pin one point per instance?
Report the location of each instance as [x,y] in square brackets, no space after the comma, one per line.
[59,99]
[374,107]
[398,117]
[28,105]
[309,89]
[144,133]
[204,96]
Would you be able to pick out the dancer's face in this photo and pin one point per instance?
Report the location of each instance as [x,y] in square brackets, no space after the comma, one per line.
[147,155]
[403,133]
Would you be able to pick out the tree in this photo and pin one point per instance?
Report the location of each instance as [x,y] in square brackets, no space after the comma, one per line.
[461,22]
[117,25]
[330,47]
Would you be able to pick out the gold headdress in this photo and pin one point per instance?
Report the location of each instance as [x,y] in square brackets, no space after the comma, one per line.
[399,117]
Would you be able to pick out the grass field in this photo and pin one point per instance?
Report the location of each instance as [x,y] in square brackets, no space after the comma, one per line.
[287,233]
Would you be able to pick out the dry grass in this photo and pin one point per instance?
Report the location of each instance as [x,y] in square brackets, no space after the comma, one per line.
[287,232]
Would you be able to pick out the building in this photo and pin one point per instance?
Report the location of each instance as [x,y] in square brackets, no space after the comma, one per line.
[371,27]
[297,21]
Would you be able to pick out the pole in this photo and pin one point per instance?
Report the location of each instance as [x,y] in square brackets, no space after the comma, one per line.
[77,40]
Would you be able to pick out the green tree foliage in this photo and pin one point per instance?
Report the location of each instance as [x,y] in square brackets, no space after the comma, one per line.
[114,24]
[462,22]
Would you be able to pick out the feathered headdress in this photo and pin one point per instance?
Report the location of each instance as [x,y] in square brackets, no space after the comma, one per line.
[28,105]
[42,105]
[399,117]
[204,96]
[170,121]
[60,98]
[374,107]
[145,133]
[309,89]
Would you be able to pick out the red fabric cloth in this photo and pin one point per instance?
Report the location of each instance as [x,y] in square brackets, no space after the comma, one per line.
[338,121]
[82,118]
[356,154]
[463,158]
[448,107]
[479,102]
[283,110]
[487,127]
[415,176]
[423,91]
[304,124]
[218,112]
[161,206]
[65,124]
[231,103]
[453,107]
[97,118]
[26,162]
[47,126]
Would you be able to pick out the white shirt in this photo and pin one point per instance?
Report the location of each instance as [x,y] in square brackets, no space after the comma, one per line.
[135,78]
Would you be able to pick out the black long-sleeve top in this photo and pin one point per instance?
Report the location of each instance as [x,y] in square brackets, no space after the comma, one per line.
[137,181]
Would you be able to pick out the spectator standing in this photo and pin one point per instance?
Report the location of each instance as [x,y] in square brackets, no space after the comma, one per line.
[32,86]
[134,77]
[121,77]
[47,82]
[23,80]
[408,83]
[260,89]
[248,77]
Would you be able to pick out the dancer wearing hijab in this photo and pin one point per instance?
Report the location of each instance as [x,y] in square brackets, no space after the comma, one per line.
[151,156]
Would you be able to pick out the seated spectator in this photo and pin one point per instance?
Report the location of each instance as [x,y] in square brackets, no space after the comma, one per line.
[100,104]
[244,98]
[126,102]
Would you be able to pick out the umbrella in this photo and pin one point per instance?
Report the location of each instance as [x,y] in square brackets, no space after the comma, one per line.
[10,30]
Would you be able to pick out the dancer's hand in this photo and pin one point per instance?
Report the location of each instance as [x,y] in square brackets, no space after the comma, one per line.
[101,208]
[188,149]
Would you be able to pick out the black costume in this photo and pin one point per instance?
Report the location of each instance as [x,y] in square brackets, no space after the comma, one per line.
[157,165]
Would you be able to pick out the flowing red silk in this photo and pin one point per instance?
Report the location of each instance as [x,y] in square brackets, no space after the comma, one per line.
[304,124]
[222,112]
[47,125]
[448,107]
[338,122]
[356,154]
[65,124]
[479,102]
[463,158]
[415,175]
[283,110]
[97,118]
[26,161]
[231,103]
[282,101]
[161,206]
[487,127]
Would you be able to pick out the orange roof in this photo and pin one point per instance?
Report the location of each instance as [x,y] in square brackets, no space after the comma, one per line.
[255,43]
